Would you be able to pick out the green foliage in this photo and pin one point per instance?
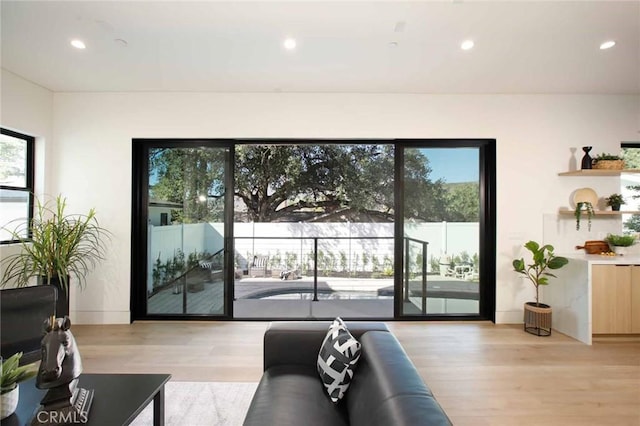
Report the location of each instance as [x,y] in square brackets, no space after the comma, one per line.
[588,208]
[275,181]
[633,224]
[621,240]
[543,259]
[631,158]
[291,259]
[463,202]
[606,156]
[12,152]
[435,264]
[157,272]
[365,259]
[193,177]
[61,245]
[425,199]
[12,374]
[615,200]
[166,272]
[634,188]
[375,263]
[276,260]
[343,260]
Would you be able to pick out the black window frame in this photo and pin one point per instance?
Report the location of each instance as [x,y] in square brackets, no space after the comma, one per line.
[487,220]
[487,183]
[30,177]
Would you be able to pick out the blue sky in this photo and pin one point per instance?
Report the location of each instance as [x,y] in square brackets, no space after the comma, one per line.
[453,164]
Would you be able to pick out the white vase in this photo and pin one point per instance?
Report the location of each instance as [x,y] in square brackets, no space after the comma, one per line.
[620,251]
[9,402]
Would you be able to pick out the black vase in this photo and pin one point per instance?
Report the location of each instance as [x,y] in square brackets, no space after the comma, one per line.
[615,207]
[62,302]
[586,160]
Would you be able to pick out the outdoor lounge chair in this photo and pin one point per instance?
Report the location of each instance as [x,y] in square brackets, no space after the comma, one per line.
[259,266]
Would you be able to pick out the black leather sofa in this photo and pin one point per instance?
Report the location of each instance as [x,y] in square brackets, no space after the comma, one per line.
[386,389]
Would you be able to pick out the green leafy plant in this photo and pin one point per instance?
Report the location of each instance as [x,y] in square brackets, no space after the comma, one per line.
[60,245]
[621,240]
[615,200]
[588,208]
[634,188]
[633,224]
[543,259]
[606,156]
[12,373]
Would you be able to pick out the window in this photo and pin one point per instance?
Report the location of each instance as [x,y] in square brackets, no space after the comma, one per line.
[16,185]
[630,187]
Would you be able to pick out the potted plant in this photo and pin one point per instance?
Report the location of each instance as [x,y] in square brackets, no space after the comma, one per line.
[619,243]
[615,201]
[537,316]
[608,162]
[60,245]
[12,374]
[587,207]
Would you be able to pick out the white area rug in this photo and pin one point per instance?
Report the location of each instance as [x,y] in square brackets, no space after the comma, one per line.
[202,404]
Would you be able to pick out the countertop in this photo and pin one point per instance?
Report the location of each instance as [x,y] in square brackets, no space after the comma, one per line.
[598,259]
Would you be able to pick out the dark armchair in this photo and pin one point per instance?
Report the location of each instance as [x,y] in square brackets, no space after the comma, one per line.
[22,314]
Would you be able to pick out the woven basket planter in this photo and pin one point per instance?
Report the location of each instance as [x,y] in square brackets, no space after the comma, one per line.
[609,165]
[537,319]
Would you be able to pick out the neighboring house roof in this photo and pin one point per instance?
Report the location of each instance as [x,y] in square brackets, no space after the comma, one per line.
[162,203]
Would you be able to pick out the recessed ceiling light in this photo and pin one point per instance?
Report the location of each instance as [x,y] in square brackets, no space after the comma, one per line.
[467,45]
[607,45]
[78,44]
[290,44]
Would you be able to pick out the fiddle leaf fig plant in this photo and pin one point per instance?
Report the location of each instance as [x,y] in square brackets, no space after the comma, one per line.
[543,259]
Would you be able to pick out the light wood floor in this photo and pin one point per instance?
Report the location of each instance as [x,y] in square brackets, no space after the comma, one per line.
[481,373]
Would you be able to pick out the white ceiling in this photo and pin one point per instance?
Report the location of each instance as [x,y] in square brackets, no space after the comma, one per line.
[343,46]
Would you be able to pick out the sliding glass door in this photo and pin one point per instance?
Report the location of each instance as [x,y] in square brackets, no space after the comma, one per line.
[446,228]
[313,230]
[281,229]
[184,204]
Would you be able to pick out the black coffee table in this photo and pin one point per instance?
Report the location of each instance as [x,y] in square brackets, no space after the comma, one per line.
[118,399]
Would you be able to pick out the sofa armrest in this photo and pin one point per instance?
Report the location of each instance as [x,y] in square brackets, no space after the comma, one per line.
[298,342]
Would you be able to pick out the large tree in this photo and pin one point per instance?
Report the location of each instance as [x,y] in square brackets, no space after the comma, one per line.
[463,202]
[193,177]
[276,181]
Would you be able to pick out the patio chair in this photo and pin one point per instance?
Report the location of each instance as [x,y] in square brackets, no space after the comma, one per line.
[259,266]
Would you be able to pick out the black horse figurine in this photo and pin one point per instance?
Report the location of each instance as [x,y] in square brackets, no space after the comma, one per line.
[61,362]
[59,370]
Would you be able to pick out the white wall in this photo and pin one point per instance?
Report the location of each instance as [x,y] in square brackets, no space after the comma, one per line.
[28,108]
[92,162]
